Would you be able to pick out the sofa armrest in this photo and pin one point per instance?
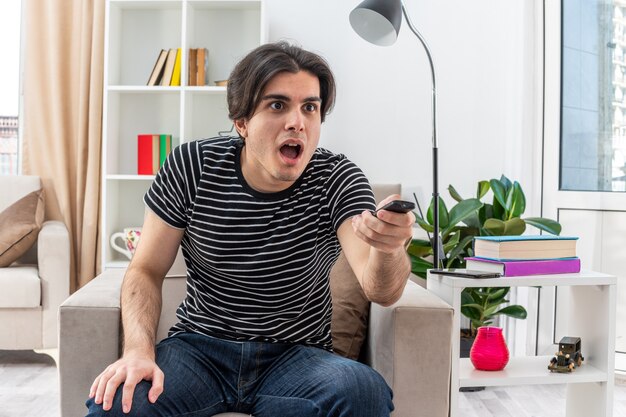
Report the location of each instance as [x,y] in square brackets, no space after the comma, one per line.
[89,338]
[53,262]
[410,345]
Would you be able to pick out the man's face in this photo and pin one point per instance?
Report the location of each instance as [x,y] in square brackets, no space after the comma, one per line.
[283,132]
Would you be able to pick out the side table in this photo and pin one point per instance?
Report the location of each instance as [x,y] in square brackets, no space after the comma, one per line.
[591,313]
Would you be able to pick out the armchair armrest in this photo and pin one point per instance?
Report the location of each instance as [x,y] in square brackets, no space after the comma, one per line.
[53,262]
[410,345]
[89,338]
[90,333]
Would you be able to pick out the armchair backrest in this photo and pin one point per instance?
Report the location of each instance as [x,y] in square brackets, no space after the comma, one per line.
[383,190]
[15,187]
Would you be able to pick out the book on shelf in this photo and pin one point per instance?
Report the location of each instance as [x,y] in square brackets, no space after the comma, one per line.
[152,150]
[169,67]
[157,70]
[524,267]
[192,66]
[165,142]
[175,81]
[202,60]
[156,158]
[525,247]
[145,154]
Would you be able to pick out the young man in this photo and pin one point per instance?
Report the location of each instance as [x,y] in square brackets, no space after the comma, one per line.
[261,219]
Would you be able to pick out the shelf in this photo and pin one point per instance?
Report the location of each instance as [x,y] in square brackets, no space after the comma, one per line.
[136,31]
[130,177]
[590,311]
[524,371]
[146,5]
[221,5]
[581,278]
[143,89]
[213,89]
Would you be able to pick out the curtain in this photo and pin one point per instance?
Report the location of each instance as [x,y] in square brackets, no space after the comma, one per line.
[62,118]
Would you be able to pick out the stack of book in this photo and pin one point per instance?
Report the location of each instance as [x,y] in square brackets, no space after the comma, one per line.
[525,255]
[151,152]
[197,69]
[166,70]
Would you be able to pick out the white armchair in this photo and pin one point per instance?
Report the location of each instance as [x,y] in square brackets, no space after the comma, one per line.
[409,343]
[35,285]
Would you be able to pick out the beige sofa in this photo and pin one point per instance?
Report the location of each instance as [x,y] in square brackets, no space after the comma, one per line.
[33,288]
[409,343]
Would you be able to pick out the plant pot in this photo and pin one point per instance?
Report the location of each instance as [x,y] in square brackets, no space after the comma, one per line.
[489,351]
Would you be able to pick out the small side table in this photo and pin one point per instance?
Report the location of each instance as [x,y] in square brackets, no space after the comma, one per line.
[591,315]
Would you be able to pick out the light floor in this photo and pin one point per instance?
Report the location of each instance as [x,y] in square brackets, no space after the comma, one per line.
[29,388]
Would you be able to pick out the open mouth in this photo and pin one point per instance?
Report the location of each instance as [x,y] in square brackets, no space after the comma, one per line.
[291,150]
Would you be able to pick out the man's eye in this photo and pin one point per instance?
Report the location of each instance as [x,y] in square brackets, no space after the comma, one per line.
[277,105]
[310,107]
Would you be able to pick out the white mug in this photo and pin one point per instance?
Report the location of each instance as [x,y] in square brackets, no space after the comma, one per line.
[130,236]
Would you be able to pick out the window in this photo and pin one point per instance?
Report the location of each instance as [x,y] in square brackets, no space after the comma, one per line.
[10,18]
[593,98]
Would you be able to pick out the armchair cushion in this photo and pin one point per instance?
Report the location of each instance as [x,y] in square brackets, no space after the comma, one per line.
[21,287]
[350,310]
[19,226]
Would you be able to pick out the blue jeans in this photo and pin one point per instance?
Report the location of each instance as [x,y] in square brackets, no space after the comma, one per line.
[206,376]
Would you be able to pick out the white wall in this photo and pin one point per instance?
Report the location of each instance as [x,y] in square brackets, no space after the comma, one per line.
[485,61]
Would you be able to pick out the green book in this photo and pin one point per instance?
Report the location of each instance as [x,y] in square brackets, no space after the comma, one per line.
[166,147]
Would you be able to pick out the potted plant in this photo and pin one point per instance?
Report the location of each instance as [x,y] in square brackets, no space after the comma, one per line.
[474,217]
[481,306]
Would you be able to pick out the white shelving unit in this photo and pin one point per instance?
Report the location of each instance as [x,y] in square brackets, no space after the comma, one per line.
[591,313]
[135,32]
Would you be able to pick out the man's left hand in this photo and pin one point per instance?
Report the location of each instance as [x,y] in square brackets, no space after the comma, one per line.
[387,232]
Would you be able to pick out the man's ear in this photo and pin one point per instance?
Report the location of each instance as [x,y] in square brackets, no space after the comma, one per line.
[242,127]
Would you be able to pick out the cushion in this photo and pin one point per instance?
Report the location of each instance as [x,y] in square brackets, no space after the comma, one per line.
[21,287]
[350,310]
[19,226]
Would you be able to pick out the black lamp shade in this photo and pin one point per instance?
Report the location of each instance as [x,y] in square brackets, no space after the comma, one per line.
[377,21]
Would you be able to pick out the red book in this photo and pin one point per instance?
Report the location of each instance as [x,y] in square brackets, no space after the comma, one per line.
[145,158]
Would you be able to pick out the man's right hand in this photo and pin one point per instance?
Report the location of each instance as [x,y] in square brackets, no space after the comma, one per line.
[129,370]
[140,302]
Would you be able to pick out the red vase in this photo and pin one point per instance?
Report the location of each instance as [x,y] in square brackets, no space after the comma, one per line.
[489,351]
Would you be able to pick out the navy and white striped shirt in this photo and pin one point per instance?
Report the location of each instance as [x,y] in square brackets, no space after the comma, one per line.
[257,263]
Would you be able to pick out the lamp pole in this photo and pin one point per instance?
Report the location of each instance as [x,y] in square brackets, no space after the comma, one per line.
[437,256]
[378,22]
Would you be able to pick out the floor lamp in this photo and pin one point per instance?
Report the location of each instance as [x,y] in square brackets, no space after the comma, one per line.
[378,22]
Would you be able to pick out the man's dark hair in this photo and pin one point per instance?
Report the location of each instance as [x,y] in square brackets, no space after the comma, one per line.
[255,70]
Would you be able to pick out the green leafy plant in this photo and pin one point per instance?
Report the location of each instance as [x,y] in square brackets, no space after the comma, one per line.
[482,305]
[474,217]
